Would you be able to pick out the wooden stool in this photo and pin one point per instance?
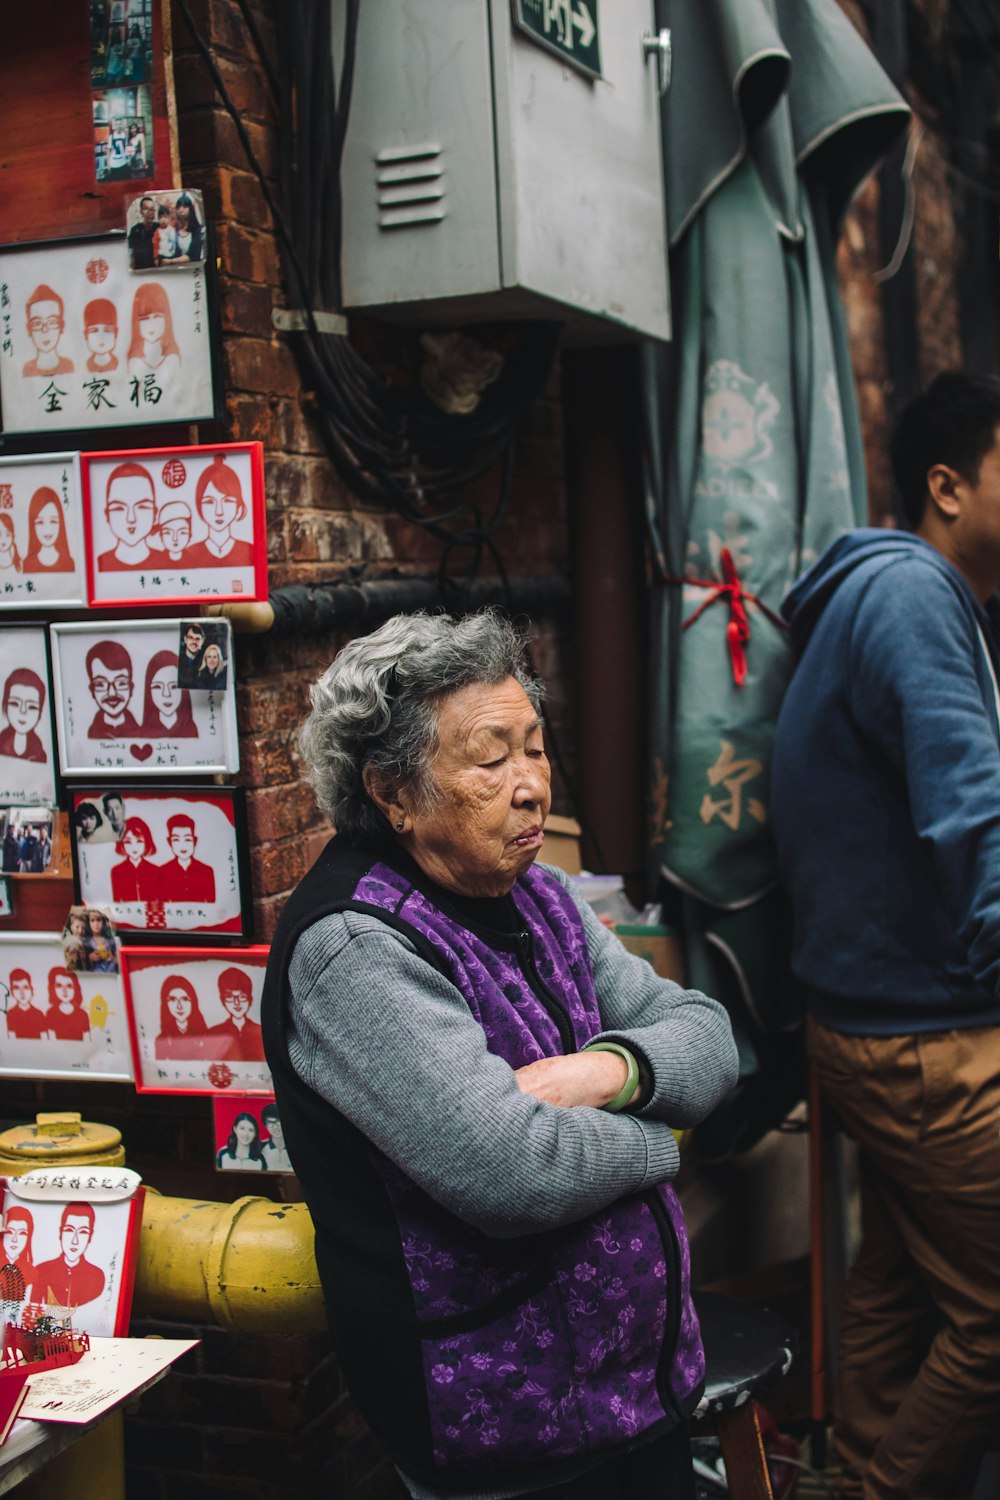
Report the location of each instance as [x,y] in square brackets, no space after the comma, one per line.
[747,1348]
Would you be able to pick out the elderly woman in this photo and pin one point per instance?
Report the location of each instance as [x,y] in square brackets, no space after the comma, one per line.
[477,1085]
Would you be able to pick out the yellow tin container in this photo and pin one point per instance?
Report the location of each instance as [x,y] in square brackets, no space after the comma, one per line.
[81,1143]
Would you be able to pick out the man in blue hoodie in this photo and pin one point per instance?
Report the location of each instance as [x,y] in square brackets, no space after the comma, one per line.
[886,805]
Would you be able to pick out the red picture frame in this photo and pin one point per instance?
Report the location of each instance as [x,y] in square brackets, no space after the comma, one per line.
[190,500]
[123,1218]
[208,1059]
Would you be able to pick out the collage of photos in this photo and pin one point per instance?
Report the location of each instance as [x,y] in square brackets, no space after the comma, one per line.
[27,751]
[41,532]
[128,699]
[121,71]
[249,1136]
[167,862]
[88,344]
[195,1017]
[175,525]
[58,1018]
[67,1253]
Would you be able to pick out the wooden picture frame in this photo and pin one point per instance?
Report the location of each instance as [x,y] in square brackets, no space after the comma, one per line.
[41,532]
[35,1042]
[214,994]
[179,874]
[78,1238]
[125,711]
[28,758]
[152,363]
[154,519]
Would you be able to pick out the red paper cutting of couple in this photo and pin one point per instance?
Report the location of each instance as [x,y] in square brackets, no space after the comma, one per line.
[41,532]
[27,758]
[195,1019]
[175,525]
[120,704]
[61,1017]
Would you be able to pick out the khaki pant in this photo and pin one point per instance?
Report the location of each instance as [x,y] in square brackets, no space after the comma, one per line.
[919,1380]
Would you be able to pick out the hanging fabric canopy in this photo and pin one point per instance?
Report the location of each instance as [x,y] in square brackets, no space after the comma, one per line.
[776,113]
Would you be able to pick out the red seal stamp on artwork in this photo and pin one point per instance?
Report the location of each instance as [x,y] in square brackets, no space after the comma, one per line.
[220,1075]
[173,473]
[97,270]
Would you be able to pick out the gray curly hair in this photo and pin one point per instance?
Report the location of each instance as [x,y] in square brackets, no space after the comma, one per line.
[376,706]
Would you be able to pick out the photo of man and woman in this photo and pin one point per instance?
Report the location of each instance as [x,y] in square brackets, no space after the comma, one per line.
[196,1019]
[176,525]
[166,230]
[41,554]
[203,655]
[57,1017]
[68,1254]
[175,865]
[249,1136]
[27,753]
[121,706]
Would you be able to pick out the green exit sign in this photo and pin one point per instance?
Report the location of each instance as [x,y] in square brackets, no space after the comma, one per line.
[569,28]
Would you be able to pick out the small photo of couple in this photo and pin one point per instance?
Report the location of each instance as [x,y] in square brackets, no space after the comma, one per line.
[90,945]
[203,655]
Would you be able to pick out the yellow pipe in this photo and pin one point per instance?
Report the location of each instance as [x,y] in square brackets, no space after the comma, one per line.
[247,1266]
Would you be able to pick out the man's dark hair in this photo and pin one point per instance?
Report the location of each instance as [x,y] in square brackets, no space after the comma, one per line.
[954,422]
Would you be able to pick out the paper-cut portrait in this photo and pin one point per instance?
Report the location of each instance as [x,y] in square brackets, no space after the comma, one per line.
[27,769]
[23,702]
[152,348]
[119,704]
[41,520]
[100,333]
[70,1279]
[130,511]
[57,1018]
[45,322]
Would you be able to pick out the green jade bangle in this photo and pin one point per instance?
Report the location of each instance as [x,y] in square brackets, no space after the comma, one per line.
[630,1087]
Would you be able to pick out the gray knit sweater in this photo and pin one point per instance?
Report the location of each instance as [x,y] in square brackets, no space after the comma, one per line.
[391,1044]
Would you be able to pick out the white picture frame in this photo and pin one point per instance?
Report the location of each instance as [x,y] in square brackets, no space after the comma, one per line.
[86,345]
[157,728]
[27,743]
[101,1051]
[42,555]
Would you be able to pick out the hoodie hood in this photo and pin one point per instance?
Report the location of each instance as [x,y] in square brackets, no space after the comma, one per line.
[807,599]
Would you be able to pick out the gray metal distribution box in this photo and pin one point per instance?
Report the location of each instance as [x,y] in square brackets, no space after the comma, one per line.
[487,174]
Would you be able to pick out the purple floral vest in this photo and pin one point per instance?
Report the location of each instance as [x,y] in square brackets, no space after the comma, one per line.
[604,1342]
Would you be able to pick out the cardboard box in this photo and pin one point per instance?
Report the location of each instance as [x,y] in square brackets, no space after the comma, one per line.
[658,945]
[561,845]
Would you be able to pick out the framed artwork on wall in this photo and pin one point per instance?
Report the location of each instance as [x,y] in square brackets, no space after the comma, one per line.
[87,345]
[169,862]
[59,1022]
[27,746]
[72,1236]
[119,705]
[41,532]
[194,1016]
[175,525]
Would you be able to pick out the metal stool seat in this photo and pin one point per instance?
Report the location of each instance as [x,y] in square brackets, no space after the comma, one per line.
[747,1349]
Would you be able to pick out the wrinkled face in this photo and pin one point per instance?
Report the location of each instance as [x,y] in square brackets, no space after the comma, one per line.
[244,1132]
[111,690]
[15,1239]
[131,508]
[101,337]
[218,510]
[64,990]
[165,692]
[491,773]
[151,327]
[74,1238]
[178,1004]
[24,708]
[193,640]
[45,324]
[22,993]
[237,1002]
[182,842]
[134,845]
